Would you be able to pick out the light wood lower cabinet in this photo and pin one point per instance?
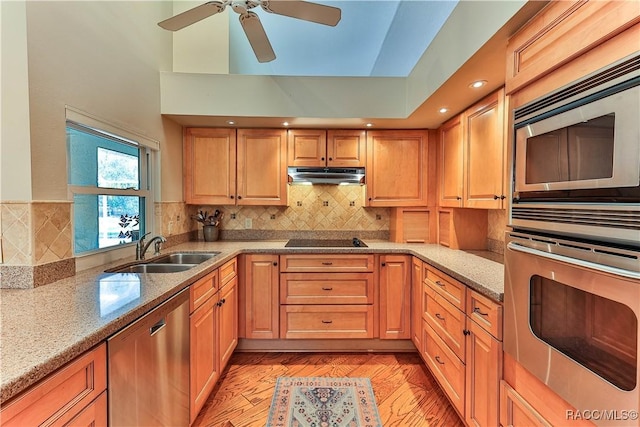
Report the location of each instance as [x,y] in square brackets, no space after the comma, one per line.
[461,345]
[259,312]
[395,296]
[213,327]
[327,296]
[73,395]
[515,411]
[417,277]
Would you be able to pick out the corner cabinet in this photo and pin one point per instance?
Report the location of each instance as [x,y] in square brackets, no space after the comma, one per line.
[229,167]
[472,157]
[397,168]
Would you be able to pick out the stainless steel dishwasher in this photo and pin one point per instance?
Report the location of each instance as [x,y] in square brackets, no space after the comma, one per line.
[149,368]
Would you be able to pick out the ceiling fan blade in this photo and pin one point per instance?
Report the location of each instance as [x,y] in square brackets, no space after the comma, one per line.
[192,16]
[257,37]
[307,11]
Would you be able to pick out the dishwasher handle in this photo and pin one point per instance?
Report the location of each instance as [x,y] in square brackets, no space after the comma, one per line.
[155,328]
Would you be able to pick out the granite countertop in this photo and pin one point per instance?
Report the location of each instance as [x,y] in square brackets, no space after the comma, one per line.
[43,328]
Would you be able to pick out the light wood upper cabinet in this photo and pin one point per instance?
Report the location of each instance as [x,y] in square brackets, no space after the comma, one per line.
[472,157]
[209,166]
[346,148]
[397,168]
[222,167]
[450,163]
[485,168]
[262,167]
[318,148]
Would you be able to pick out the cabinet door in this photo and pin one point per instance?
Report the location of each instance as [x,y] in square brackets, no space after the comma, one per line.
[416,301]
[450,163]
[485,156]
[210,166]
[397,168]
[260,311]
[395,296]
[484,369]
[346,148]
[227,306]
[262,167]
[515,411]
[306,147]
[203,355]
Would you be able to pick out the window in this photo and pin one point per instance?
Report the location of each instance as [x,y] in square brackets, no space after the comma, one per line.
[108,180]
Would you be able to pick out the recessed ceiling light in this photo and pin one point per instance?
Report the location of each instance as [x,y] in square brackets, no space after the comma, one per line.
[231,122]
[369,125]
[478,84]
[443,110]
[285,123]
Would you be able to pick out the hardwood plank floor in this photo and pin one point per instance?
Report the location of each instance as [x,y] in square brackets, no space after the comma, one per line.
[406,393]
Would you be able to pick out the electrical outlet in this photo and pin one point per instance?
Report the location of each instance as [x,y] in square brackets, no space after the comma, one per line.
[248,223]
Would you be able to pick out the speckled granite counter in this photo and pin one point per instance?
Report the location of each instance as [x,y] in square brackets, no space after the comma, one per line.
[43,328]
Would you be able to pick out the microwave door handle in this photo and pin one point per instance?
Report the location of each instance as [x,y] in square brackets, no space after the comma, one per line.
[588,264]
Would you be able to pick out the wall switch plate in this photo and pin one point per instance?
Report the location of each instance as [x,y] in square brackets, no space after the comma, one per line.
[248,223]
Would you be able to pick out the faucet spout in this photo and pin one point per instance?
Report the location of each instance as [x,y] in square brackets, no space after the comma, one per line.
[142,247]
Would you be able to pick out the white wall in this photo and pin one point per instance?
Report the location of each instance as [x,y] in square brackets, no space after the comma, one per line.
[102,58]
[15,151]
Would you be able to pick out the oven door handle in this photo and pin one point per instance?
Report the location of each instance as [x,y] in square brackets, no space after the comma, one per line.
[588,264]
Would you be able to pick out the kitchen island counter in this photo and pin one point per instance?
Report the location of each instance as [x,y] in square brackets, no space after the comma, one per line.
[43,328]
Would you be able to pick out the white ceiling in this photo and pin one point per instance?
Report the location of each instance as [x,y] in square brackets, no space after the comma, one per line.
[380,50]
[374,38]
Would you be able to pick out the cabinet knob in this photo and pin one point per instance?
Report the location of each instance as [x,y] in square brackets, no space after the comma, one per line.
[383,264]
[239,197]
[503,197]
[231,197]
[369,198]
[496,197]
[330,159]
[321,158]
[466,332]
[458,198]
[275,264]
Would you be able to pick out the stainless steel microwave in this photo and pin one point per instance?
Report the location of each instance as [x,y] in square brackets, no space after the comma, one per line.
[576,166]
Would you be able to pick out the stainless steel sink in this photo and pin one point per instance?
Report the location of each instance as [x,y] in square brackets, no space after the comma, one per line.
[185,258]
[153,268]
[170,263]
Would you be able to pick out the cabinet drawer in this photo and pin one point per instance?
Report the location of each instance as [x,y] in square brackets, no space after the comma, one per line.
[446,320]
[62,395]
[452,290]
[326,288]
[228,271]
[445,366]
[202,290]
[326,321]
[326,263]
[486,313]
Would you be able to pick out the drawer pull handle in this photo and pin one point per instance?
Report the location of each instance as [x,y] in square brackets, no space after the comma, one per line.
[477,310]
[439,283]
[439,361]
[327,263]
[327,321]
[439,316]
[327,289]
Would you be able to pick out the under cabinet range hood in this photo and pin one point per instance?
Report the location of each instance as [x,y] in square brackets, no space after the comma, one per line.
[326,175]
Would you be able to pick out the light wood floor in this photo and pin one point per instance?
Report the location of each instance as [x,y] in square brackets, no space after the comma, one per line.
[406,393]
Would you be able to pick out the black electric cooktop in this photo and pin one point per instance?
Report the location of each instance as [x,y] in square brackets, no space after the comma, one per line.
[326,243]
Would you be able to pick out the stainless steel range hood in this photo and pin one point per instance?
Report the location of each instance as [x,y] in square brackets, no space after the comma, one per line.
[326,175]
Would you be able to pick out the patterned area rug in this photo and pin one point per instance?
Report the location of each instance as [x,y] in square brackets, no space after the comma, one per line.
[323,402]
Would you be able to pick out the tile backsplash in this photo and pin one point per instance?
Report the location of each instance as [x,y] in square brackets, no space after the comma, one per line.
[311,207]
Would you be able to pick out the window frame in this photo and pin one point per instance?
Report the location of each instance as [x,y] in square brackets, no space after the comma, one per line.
[148,156]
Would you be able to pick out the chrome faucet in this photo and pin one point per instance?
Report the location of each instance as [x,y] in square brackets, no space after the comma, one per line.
[141,247]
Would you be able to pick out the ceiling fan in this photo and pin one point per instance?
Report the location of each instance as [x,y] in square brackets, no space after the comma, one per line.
[250,21]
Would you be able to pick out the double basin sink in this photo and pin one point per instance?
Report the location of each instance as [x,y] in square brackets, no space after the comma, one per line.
[171,263]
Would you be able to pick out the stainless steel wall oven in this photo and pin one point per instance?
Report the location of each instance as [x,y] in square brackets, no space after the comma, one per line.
[572,261]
